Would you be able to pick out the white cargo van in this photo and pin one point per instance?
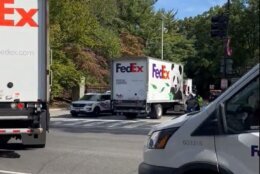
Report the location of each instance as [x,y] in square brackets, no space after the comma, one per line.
[145,85]
[221,139]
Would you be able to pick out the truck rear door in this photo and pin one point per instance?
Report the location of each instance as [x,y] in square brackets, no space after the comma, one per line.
[22,50]
[129,79]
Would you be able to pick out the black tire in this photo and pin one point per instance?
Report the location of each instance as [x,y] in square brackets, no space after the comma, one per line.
[165,111]
[39,146]
[74,114]
[130,115]
[36,146]
[201,172]
[156,112]
[96,111]
[4,140]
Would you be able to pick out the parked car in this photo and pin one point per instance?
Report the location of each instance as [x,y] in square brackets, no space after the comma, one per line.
[91,103]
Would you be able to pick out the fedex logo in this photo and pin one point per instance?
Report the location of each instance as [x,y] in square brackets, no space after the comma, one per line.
[132,68]
[26,16]
[255,150]
[161,73]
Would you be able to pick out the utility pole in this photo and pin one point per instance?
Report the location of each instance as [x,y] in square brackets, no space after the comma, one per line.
[226,40]
[219,28]
[162,17]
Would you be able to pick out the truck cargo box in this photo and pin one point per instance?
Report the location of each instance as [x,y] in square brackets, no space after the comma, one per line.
[23,52]
[146,85]
[24,71]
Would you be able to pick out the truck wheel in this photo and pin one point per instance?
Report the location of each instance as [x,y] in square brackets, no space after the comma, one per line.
[165,111]
[156,112]
[4,140]
[73,114]
[96,111]
[130,115]
[38,146]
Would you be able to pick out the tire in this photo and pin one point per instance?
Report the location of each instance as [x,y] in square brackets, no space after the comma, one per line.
[165,111]
[96,111]
[201,172]
[74,114]
[156,112]
[4,140]
[130,115]
[38,146]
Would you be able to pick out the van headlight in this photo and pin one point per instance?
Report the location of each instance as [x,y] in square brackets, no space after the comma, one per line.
[159,139]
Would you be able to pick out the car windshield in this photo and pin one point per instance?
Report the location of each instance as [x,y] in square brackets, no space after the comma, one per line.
[91,97]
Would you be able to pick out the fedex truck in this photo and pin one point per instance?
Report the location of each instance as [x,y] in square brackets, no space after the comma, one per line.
[24,71]
[145,85]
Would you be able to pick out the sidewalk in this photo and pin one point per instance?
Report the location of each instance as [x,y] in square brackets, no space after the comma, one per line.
[59,109]
[57,112]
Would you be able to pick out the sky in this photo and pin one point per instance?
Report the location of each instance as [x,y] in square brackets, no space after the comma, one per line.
[188,8]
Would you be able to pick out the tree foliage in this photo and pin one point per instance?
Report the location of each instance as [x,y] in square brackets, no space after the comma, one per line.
[86,34]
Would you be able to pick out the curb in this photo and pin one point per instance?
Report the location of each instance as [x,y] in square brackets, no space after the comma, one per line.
[58,109]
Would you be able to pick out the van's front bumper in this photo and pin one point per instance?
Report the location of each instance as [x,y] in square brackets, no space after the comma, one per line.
[150,169]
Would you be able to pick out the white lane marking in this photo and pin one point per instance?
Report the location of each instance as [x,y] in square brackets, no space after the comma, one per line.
[134,125]
[118,124]
[11,172]
[79,119]
[115,124]
[95,123]
[74,123]
[128,124]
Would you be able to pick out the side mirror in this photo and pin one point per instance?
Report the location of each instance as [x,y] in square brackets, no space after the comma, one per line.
[223,117]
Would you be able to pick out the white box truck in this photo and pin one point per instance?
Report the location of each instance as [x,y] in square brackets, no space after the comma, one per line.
[145,85]
[24,71]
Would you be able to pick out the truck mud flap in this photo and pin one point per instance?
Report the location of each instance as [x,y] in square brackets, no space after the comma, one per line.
[38,140]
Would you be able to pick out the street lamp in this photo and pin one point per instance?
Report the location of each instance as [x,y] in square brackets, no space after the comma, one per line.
[162,17]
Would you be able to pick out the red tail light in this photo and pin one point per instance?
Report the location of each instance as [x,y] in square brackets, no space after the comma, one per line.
[20,106]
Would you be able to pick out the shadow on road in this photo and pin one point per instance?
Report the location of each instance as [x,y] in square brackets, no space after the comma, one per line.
[104,131]
[9,154]
[8,150]
[11,147]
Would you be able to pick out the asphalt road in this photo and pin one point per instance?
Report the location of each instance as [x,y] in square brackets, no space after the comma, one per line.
[84,145]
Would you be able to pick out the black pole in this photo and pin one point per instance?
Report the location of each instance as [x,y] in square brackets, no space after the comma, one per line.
[226,39]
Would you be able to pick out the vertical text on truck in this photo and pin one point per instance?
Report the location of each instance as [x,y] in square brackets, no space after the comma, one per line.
[24,71]
[145,85]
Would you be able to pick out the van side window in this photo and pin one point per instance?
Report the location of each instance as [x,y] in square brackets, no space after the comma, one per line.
[242,110]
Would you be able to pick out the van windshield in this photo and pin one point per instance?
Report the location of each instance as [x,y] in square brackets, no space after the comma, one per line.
[91,97]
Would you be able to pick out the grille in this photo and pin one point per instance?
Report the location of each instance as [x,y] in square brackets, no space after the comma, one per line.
[78,105]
